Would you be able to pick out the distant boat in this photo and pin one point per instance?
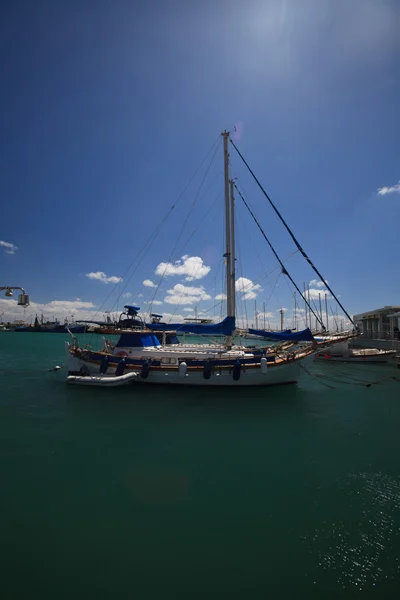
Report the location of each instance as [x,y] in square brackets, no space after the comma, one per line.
[51,327]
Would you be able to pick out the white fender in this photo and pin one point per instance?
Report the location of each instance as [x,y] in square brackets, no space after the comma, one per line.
[264,365]
[182,370]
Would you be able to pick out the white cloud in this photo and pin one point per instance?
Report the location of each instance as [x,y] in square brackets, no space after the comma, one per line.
[247,288]
[139,295]
[100,276]
[318,284]
[127,295]
[9,248]
[268,315]
[315,293]
[188,309]
[283,309]
[383,191]
[171,318]
[149,283]
[59,309]
[181,294]
[220,297]
[154,302]
[191,266]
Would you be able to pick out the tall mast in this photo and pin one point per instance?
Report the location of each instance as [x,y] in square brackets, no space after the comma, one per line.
[281,311]
[326,311]
[305,304]
[320,308]
[228,253]
[233,257]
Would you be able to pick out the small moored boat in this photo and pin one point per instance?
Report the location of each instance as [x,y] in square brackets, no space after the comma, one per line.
[370,355]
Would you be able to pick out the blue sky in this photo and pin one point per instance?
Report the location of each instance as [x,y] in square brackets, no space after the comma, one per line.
[107,109]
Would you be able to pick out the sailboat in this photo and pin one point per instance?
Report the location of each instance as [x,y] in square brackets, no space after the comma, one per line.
[142,354]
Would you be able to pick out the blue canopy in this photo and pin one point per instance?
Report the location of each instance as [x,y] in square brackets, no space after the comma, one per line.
[132,310]
[137,339]
[226,327]
[295,336]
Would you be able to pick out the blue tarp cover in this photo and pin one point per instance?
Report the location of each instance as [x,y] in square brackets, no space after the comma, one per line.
[226,327]
[294,336]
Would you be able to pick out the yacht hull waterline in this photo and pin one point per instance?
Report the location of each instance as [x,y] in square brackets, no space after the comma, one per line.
[255,373]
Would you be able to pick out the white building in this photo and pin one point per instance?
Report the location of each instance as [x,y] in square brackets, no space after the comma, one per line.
[395,324]
[382,323]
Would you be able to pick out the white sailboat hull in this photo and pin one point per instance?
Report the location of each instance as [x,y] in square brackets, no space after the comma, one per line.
[279,374]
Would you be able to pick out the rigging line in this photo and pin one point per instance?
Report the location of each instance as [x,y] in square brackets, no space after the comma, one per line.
[148,243]
[205,215]
[202,252]
[127,270]
[296,307]
[224,279]
[240,300]
[201,222]
[265,274]
[153,236]
[183,294]
[273,289]
[186,220]
[247,288]
[334,318]
[291,234]
[251,238]
[255,250]
[284,271]
[145,248]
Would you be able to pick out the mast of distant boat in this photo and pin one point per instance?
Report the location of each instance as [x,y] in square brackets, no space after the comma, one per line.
[230,239]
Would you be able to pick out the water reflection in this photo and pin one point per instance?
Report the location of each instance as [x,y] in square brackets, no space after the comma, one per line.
[361,552]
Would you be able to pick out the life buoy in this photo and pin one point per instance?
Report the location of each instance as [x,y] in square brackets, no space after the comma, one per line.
[122,354]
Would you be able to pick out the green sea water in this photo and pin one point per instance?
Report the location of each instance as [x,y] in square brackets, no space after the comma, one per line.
[147,492]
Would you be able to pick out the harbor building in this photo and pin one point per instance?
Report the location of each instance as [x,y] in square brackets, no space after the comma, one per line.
[381,323]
